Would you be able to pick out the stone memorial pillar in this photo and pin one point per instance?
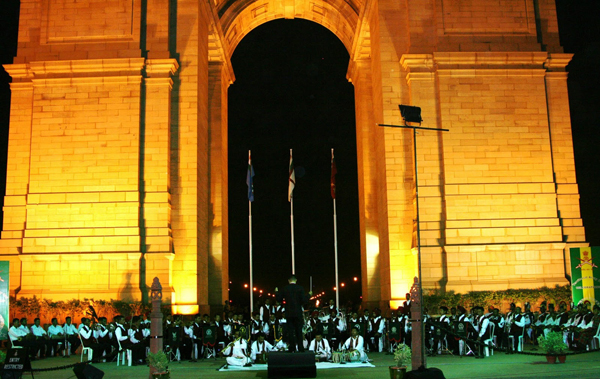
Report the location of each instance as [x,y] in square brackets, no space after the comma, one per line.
[416,317]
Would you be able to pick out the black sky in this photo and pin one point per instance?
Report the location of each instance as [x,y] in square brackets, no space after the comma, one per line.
[291,92]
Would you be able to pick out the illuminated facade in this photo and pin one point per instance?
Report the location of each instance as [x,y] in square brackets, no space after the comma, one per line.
[117,165]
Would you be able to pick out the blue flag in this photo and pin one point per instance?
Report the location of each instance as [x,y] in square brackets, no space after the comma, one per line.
[249,180]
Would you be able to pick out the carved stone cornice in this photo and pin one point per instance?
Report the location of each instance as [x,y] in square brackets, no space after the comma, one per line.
[161,68]
[418,62]
[87,68]
[19,72]
[557,62]
[490,60]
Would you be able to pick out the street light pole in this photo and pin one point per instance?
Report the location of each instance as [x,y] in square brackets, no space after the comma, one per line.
[413,114]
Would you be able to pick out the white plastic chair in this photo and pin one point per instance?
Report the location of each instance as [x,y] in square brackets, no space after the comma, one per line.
[90,352]
[489,343]
[124,354]
[595,342]
[14,346]
[520,341]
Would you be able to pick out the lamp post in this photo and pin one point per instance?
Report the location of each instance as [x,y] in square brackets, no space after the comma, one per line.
[412,114]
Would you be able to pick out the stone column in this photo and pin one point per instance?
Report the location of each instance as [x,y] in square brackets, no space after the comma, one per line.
[156,318]
[416,315]
[155,200]
[218,258]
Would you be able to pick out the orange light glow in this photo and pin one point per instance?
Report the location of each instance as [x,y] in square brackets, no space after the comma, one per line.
[245,286]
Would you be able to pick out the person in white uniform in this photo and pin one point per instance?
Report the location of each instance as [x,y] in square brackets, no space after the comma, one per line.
[320,346]
[355,346]
[237,352]
[259,348]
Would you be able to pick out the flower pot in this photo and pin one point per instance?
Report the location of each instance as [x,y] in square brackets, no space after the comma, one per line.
[397,372]
[562,358]
[161,375]
[551,358]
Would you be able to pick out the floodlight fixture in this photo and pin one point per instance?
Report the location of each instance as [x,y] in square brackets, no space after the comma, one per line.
[411,113]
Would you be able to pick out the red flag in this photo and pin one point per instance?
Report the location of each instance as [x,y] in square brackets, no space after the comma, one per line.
[333,172]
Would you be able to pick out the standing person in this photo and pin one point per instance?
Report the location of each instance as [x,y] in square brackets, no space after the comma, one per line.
[295,298]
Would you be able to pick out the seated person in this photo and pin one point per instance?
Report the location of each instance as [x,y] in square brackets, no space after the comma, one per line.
[237,352]
[137,343]
[72,336]
[87,337]
[320,346]
[355,346]
[41,336]
[259,349]
[57,337]
[19,337]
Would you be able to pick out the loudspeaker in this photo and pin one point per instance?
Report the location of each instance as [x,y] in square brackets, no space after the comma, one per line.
[427,373]
[87,371]
[291,365]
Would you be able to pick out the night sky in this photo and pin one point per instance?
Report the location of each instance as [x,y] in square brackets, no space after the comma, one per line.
[291,92]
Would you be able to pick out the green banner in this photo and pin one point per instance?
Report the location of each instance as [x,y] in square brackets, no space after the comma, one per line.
[4,300]
[585,275]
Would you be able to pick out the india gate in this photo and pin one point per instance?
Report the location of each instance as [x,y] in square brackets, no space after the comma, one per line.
[118,151]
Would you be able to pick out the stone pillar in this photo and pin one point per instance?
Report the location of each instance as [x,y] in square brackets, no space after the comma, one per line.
[155,195]
[421,81]
[156,318]
[416,315]
[218,257]
[373,230]
[189,160]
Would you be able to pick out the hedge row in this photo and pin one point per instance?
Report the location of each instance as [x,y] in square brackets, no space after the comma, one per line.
[433,299]
[46,309]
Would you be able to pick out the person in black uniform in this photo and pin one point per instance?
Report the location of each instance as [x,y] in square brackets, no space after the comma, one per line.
[295,298]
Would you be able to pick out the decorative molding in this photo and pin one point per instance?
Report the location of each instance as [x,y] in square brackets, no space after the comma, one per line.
[161,67]
[557,62]
[121,66]
[490,59]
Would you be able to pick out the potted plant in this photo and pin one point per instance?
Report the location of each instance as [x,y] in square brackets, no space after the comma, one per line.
[554,345]
[402,356]
[159,363]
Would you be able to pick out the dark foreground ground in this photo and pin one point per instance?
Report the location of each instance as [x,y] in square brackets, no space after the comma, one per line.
[498,366]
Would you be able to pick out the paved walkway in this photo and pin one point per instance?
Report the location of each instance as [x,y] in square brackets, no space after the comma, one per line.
[582,366]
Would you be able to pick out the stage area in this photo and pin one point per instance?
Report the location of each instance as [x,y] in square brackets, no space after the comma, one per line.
[500,366]
[320,366]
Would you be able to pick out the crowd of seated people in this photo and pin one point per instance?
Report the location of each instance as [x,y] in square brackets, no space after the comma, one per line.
[511,330]
[101,337]
[245,339]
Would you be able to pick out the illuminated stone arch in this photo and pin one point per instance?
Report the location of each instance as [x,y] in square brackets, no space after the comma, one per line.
[87,192]
[241,17]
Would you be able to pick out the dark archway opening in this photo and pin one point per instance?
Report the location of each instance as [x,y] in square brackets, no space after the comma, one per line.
[291,92]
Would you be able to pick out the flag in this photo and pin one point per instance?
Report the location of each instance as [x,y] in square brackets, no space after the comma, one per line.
[249,180]
[333,172]
[292,178]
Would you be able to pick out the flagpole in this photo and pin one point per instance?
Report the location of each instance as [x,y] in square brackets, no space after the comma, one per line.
[250,244]
[335,246]
[250,239]
[291,194]
[292,228]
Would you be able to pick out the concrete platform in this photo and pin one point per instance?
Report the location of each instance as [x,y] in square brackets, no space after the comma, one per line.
[582,366]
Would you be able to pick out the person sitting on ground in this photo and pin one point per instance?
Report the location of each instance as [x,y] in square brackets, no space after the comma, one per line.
[320,346]
[259,349]
[355,346]
[237,352]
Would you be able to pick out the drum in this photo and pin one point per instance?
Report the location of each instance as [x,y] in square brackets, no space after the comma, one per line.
[353,356]
[336,357]
[261,359]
